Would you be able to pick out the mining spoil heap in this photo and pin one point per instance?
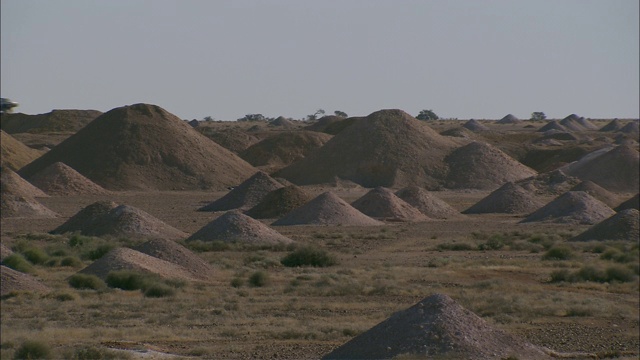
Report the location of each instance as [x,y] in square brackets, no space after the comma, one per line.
[326,209]
[235,227]
[279,202]
[508,199]
[278,151]
[382,203]
[245,195]
[616,170]
[572,207]
[14,154]
[60,179]
[623,226]
[427,203]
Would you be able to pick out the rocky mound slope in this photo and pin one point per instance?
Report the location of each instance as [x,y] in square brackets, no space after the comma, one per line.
[382,203]
[54,121]
[508,199]
[616,170]
[631,203]
[278,151]
[235,227]
[13,184]
[279,202]
[597,192]
[245,195]
[550,183]
[475,126]
[624,226]
[572,207]
[508,119]
[326,209]
[175,253]
[60,179]
[427,203]
[14,154]
[12,280]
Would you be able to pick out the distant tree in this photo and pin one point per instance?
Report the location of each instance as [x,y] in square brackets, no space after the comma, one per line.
[208,118]
[538,115]
[314,116]
[340,113]
[253,117]
[427,115]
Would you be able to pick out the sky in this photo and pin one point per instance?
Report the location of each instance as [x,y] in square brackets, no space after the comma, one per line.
[462,59]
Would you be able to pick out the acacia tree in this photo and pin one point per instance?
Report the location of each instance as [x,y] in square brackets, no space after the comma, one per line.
[340,113]
[427,115]
[253,117]
[314,116]
[538,115]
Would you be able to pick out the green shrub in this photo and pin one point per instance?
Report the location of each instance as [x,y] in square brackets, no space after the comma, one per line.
[158,290]
[71,261]
[99,251]
[52,262]
[495,242]
[558,252]
[77,240]
[86,281]
[258,279]
[562,275]
[591,273]
[308,256]
[620,256]
[128,280]
[18,262]
[619,273]
[32,349]
[35,256]
[237,282]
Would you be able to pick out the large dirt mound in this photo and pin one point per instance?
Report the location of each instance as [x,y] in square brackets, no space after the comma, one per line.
[550,183]
[475,126]
[12,184]
[14,154]
[508,199]
[278,151]
[322,123]
[427,203]
[508,119]
[245,195]
[279,202]
[597,192]
[129,259]
[123,220]
[326,209]
[572,207]
[236,227]
[86,217]
[616,170]
[436,327]
[624,226]
[60,179]
[632,203]
[144,147]
[16,206]
[553,125]
[175,253]
[382,203]
[576,123]
[232,139]
[613,125]
[479,165]
[387,148]
[54,121]
[11,280]
[631,128]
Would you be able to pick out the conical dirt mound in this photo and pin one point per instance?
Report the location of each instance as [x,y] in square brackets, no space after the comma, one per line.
[576,123]
[438,327]
[550,183]
[616,170]
[123,220]
[233,139]
[144,147]
[427,203]
[129,259]
[624,226]
[322,124]
[326,209]
[279,202]
[12,184]
[16,206]
[474,126]
[246,195]
[13,153]
[613,125]
[60,179]
[382,203]
[508,119]
[12,280]
[631,128]
[479,165]
[387,148]
[597,192]
[175,253]
[278,151]
[572,207]
[508,199]
[235,227]
[553,125]
[631,203]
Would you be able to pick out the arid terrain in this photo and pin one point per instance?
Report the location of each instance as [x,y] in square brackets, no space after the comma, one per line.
[513,274]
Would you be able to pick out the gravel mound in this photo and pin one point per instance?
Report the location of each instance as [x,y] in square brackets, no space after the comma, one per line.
[479,165]
[322,123]
[55,121]
[550,183]
[508,119]
[387,148]
[427,203]
[245,195]
[576,123]
[12,184]
[382,203]
[17,206]
[631,128]
[631,203]
[553,125]
[279,202]
[326,209]
[616,170]
[278,151]
[235,227]
[460,133]
[438,327]
[175,253]
[508,199]
[144,147]
[129,259]
[597,192]
[572,207]
[122,220]
[475,126]
[232,139]
[11,280]
[14,154]
[60,179]
[282,122]
[624,226]
[613,125]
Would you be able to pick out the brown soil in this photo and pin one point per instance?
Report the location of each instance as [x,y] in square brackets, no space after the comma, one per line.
[12,280]
[231,139]
[235,227]
[60,179]
[383,204]
[624,226]
[428,203]
[437,326]
[572,207]
[326,209]
[145,147]
[12,184]
[324,122]
[279,202]
[508,199]
[175,253]
[14,154]
[246,195]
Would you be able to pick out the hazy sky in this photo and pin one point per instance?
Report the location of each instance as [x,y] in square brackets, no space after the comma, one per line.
[196,58]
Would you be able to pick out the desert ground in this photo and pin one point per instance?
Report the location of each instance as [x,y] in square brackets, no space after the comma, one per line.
[526,279]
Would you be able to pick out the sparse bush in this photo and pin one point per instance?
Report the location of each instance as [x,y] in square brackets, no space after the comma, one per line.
[619,273]
[71,261]
[590,273]
[558,252]
[237,282]
[128,280]
[619,256]
[35,256]
[77,240]
[456,247]
[99,251]
[159,290]
[495,242]
[86,281]
[18,262]
[32,349]
[95,353]
[562,275]
[308,256]
[259,279]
